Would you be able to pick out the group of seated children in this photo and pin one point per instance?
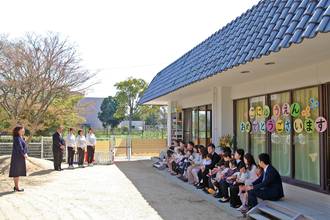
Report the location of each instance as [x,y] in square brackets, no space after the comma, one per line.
[204,168]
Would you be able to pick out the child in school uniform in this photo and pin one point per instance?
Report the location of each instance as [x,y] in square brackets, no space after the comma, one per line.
[227,180]
[241,176]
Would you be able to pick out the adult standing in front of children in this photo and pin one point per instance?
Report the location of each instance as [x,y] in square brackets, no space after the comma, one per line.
[58,146]
[81,145]
[71,145]
[18,157]
[268,186]
[91,142]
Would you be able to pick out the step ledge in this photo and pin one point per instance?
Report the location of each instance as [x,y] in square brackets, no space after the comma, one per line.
[258,217]
[275,213]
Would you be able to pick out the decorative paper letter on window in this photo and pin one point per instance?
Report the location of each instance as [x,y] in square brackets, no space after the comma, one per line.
[321,124]
[295,109]
[276,110]
[255,126]
[298,125]
[309,125]
[262,126]
[266,111]
[288,125]
[259,112]
[248,126]
[286,109]
[242,126]
[280,126]
[271,125]
[252,112]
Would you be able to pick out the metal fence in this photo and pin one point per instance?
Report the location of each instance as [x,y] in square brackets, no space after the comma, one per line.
[44,150]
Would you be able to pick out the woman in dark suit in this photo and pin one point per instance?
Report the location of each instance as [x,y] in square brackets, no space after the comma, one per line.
[18,156]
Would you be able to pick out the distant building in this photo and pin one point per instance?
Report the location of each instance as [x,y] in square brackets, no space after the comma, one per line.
[135,124]
[92,119]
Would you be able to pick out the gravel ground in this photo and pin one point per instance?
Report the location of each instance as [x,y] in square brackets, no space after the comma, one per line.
[125,190]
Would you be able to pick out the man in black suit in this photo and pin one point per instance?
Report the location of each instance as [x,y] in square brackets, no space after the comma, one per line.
[268,186]
[58,146]
[203,172]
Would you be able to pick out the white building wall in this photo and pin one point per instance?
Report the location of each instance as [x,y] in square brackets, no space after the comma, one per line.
[224,114]
[222,98]
[203,99]
[307,76]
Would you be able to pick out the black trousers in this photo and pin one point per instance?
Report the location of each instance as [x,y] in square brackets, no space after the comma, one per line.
[81,156]
[210,182]
[254,194]
[90,154]
[58,157]
[70,155]
[202,175]
[235,200]
[224,188]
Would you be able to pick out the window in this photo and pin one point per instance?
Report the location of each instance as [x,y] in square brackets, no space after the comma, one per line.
[194,125]
[241,116]
[289,137]
[258,139]
[280,140]
[198,125]
[306,145]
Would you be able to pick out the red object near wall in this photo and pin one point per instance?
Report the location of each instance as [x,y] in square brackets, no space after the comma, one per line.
[86,156]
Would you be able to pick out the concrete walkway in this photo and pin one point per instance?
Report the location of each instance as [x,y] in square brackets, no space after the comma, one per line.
[125,190]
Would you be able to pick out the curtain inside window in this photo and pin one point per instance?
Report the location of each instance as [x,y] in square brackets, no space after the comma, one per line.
[280,141]
[241,116]
[194,125]
[306,145]
[258,139]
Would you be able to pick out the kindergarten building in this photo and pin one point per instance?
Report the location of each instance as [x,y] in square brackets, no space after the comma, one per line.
[264,77]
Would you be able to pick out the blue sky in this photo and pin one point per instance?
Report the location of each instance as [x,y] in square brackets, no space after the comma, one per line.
[124,38]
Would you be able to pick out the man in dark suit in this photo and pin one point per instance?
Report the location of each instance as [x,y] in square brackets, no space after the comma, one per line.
[203,172]
[268,186]
[58,146]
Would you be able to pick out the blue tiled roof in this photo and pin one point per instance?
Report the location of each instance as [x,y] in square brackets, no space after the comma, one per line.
[266,27]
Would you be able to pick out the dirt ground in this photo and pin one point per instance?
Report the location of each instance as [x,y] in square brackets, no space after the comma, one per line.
[125,190]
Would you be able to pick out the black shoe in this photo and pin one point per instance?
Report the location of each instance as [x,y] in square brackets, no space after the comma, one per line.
[224,201]
[19,190]
[200,187]
[218,196]
[58,169]
[207,192]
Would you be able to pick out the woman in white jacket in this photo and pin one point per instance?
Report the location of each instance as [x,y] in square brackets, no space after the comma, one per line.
[81,145]
[195,163]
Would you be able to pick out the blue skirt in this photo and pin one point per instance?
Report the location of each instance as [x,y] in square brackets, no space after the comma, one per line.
[17,166]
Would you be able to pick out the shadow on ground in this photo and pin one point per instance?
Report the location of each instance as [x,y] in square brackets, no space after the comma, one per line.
[6,193]
[42,172]
[169,199]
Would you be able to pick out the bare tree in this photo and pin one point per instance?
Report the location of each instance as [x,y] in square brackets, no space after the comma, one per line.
[35,70]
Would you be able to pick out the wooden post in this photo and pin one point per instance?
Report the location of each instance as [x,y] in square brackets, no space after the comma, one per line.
[42,147]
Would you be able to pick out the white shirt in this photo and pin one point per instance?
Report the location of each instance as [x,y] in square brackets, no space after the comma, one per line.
[197,158]
[266,169]
[241,176]
[252,175]
[81,142]
[207,162]
[70,140]
[91,139]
